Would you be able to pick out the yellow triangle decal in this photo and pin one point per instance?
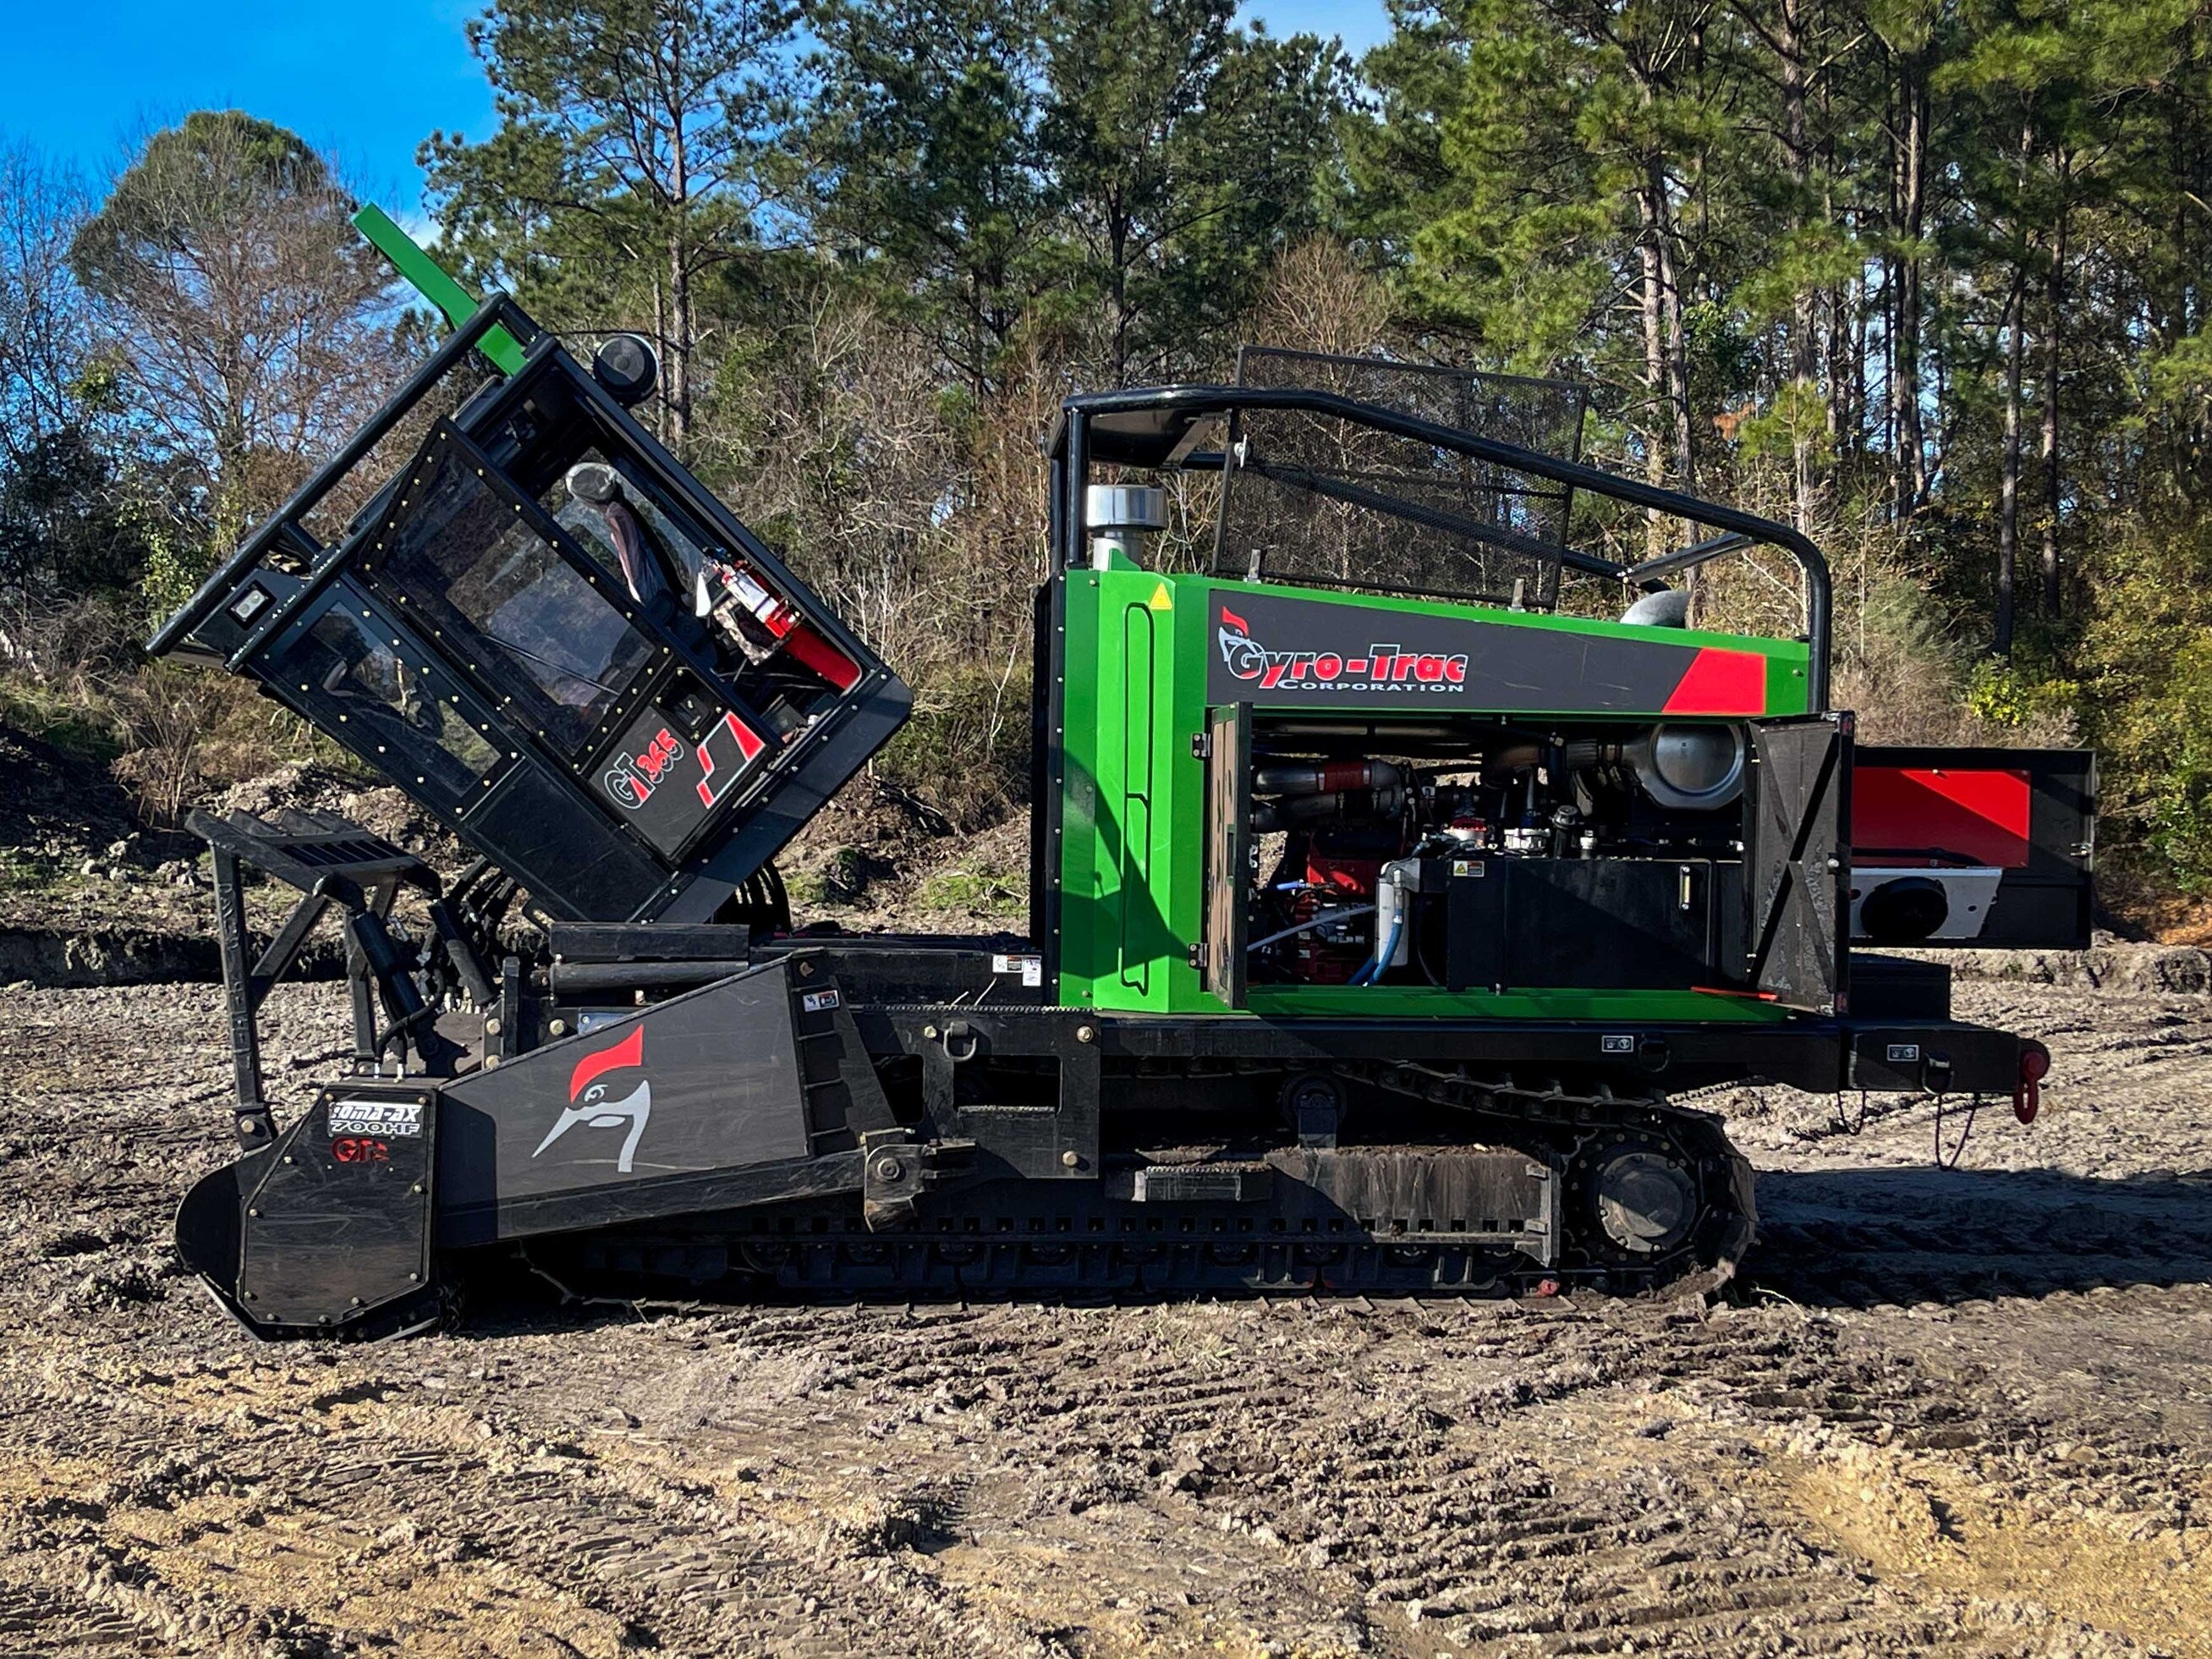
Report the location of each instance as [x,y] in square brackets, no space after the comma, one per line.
[1162,600]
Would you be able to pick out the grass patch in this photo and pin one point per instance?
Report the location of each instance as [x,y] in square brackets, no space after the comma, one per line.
[28,873]
[967,888]
[83,732]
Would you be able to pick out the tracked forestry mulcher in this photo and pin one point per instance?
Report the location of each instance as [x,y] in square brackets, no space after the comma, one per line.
[1377,907]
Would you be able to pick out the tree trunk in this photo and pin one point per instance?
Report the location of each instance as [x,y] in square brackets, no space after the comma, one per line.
[1788,46]
[1656,378]
[660,339]
[1846,384]
[2009,476]
[1673,343]
[676,390]
[1678,363]
[1117,255]
[1845,303]
[2054,311]
[1909,457]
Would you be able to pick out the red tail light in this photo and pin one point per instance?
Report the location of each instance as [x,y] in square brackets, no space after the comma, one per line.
[2027,1091]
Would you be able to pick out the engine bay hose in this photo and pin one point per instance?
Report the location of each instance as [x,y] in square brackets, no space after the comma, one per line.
[1372,973]
[1325,777]
[1322,920]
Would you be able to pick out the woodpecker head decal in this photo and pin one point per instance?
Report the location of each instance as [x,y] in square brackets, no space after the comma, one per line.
[1246,658]
[590,1101]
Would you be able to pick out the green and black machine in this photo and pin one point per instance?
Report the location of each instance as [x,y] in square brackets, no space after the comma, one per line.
[1380,908]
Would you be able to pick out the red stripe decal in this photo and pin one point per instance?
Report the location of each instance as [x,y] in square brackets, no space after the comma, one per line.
[1719,681]
[630,1051]
[1980,814]
[731,730]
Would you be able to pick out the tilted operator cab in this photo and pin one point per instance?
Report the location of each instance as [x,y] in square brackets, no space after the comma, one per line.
[550,636]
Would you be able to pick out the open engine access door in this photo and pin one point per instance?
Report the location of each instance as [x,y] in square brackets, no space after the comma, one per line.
[1796,862]
[1228,851]
[2010,834]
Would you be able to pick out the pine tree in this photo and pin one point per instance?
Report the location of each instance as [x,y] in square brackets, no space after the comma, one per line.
[637,139]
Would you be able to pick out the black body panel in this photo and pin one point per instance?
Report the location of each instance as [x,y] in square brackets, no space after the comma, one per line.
[1282,651]
[663,1092]
[1604,924]
[2045,898]
[1798,874]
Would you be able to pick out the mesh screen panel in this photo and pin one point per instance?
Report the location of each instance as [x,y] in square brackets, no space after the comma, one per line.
[1321,500]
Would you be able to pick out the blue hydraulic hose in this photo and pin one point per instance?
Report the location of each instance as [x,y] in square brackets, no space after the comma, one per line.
[1372,973]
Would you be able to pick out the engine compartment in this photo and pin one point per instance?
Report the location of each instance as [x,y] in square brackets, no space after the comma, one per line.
[1494,853]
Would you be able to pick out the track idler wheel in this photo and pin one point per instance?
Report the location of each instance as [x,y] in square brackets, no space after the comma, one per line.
[1646,1199]
[1669,1208]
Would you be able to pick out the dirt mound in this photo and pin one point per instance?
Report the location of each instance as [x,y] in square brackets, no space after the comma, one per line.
[2110,964]
[874,861]
[56,806]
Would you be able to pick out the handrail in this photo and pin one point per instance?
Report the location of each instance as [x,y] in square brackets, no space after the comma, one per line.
[1069,443]
[1435,517]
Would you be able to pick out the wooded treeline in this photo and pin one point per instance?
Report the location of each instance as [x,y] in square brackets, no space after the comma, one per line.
[1925,277]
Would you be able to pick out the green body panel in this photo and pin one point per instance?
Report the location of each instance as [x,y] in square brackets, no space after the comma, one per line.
[1133,810]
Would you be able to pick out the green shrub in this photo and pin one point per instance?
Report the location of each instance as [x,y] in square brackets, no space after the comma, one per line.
[2010,695]
[970,889]
[2144,661]
[962,762]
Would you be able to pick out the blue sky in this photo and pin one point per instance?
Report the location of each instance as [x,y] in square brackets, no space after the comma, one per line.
[366,79]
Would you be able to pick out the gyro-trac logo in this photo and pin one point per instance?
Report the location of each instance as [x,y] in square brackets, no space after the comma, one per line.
[1378,668]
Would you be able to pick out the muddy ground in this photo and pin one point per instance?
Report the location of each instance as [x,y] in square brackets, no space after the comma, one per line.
[1960,1411]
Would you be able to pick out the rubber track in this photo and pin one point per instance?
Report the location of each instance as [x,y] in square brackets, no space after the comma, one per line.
[1015,1248]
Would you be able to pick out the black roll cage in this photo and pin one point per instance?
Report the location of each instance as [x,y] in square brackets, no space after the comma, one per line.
[1083,437]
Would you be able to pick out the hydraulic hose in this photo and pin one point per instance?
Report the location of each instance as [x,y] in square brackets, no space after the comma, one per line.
[1325,777]
[1372,973]
[1321,919]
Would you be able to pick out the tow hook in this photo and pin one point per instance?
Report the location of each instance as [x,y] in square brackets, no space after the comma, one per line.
[2027,1091]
